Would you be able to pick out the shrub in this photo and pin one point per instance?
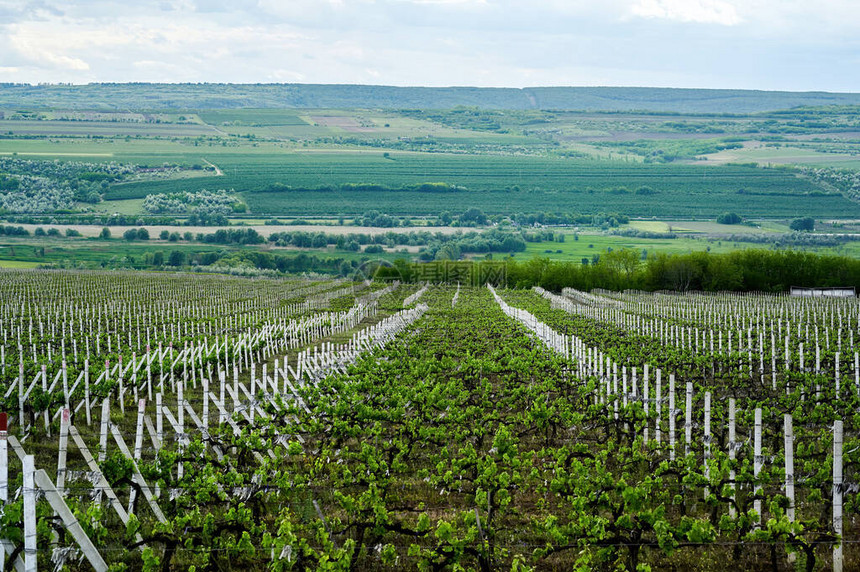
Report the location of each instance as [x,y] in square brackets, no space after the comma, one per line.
[806,223]
[729,218]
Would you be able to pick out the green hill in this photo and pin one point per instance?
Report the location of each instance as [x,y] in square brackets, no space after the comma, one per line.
[140,96]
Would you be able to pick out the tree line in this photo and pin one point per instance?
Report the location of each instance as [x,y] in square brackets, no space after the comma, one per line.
[740,271]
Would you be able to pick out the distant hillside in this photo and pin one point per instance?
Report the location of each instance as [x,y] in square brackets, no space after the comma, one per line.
[144,96]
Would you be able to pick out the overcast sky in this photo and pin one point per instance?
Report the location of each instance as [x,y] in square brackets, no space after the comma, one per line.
[795,45]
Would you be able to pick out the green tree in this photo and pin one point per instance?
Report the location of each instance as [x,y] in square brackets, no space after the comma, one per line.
[474,215]
[805,224]
[729,218]
[176,258]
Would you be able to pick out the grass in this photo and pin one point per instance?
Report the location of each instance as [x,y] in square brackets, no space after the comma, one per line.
[786,155]
[650,225]
[18,264]
[123,207]
[588,245]
[711,227]
[251,117]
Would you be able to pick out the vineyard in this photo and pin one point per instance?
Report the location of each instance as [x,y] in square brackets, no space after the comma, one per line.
[305,184]
[176,422]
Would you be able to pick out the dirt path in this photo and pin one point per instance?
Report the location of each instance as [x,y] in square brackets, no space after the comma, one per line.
[218,171]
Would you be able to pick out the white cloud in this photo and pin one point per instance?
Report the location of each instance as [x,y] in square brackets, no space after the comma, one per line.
[767,44]
[33,46]
[466,3]
[699,11]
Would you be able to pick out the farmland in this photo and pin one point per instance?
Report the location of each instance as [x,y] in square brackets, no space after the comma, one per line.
[307,161]
[210,421]
[297,183]
[226,156]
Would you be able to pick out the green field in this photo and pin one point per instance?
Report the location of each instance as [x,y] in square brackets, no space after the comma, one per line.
[251,117]
[588,245]
[501,185]
[18,264]
[329,163]
[256,157]
[119,253]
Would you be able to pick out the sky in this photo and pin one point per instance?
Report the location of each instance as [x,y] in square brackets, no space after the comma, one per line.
[792,45]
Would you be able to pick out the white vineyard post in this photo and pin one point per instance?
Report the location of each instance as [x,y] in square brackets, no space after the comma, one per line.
[788,434]
[138,447]
[87,401]
[169,361]
[222,411]
[773,358]
[615,387]
[624,388]
[65,385]
[658,407]
[817,358]
[707,441]
[180,421]
[672,414]
[30,553]
[634,384]
[193,364]
[65,421]
[159,417]
[121,392]
[837,380]
[817,372]
[801,360]
[184,364]
[160,368]
[235,388]
[645,400]
[857,372]
[732,454]
[148,375]
[105,422]
[802,369]
[757,464]
[205,383]
[21,390]
[4,460]
[253,383]
[837,494]
[607,378]
[688,419]
[45,389]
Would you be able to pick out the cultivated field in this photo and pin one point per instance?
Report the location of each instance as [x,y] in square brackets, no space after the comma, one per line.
[220,422]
